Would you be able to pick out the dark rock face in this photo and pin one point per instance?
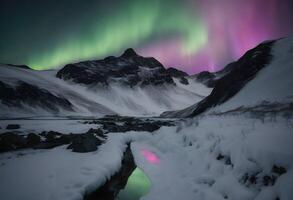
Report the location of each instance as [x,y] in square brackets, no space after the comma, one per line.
[207,78]
[52,139]
[184,81]
[13,126]
[129,69]
[241,72]
[176,73]
[210,79]
[34,96]
[11,141]
[279,170]
[117,182]
[83,143]
[124,124]
[33,139]
[265,179]
[129,53]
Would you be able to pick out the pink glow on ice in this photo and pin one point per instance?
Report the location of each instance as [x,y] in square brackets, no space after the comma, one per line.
[150,156]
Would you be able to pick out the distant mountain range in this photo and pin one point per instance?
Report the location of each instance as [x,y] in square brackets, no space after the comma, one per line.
[134,85]
[128,85]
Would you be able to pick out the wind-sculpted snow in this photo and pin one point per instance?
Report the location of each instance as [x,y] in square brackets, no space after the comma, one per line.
[212,157]
[209,157]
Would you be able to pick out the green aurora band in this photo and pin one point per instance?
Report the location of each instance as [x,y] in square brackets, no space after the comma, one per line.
[191,35]
[130,26]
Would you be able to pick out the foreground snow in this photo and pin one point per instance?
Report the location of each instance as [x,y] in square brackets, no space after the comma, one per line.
[190,167]
[58,173]
[204,158]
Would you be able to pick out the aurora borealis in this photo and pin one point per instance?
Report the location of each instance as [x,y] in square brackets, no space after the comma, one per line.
[191,35]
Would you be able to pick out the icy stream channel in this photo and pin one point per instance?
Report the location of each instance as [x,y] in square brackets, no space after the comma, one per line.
[138,185]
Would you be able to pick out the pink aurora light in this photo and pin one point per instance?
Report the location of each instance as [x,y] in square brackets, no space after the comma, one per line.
[150,156]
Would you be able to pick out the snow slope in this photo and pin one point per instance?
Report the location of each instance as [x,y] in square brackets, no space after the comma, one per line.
[214,157]
[272,84]
[96,100]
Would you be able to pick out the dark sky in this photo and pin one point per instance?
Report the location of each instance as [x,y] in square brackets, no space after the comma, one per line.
[192,35]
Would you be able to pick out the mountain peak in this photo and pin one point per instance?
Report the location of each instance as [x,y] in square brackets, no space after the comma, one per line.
[129,53]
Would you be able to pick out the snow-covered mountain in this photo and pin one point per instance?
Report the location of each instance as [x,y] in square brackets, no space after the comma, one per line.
[237,145]
[263,75]
[127,85]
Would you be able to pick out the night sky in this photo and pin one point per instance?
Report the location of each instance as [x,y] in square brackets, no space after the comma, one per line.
[191,35]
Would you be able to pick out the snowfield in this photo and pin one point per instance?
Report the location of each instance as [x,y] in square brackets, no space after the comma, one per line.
[209,157]
[239,150]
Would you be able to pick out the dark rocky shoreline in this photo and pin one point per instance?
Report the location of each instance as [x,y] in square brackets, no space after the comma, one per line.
[15,139]
[110,189]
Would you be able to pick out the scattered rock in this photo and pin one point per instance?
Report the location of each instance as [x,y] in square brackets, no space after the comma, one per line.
[269,180]
[123,124]
[98,132]
[259,178]
[11,141]
[13,126]
[33,139]
[53,139]
[279,170]
[83,143]
[51,136]
[225,158]
[184,81]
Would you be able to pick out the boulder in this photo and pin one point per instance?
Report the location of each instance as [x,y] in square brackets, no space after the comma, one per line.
[33,139]
[83,143]
[11,141]
[13,126]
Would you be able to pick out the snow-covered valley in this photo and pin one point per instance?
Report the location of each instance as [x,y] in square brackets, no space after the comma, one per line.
[30,93]
[232,142]
[210,157]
